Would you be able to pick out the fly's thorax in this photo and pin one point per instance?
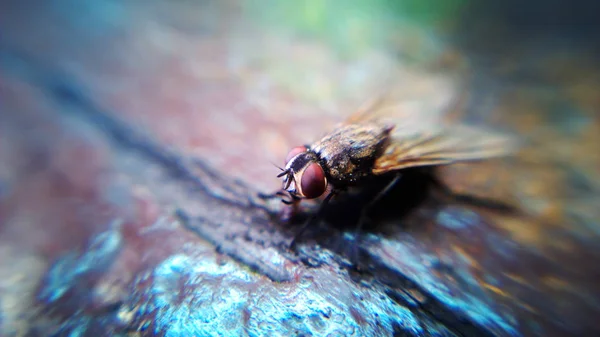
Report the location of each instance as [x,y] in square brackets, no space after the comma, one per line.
[348,154]
[304,177]
[343,171]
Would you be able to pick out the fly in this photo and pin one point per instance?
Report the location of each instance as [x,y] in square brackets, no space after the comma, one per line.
[379,139]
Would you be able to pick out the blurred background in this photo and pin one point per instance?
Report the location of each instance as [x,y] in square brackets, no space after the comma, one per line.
[97,98]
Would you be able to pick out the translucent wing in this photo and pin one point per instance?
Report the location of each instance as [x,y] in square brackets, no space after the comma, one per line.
[426,100]
[422,134]
[440,146]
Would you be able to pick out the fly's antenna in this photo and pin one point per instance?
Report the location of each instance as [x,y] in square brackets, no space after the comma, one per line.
[283,173]
[279,167]
[289,177]
[287,173]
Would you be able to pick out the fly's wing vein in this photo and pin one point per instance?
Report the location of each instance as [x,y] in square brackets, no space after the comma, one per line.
[439,146]
[422,136]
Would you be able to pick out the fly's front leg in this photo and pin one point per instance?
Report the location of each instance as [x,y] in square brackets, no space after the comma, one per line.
[311,219]
[274,195]
[291,201]
[282,194]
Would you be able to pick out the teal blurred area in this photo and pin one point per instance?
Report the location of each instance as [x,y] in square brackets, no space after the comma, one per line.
[352,26]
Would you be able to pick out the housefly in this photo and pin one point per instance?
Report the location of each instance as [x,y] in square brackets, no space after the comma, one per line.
[382,138]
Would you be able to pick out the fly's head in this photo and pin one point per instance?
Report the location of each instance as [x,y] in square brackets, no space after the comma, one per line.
[303,176]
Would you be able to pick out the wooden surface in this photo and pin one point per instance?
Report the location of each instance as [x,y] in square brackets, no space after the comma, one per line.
[134,142]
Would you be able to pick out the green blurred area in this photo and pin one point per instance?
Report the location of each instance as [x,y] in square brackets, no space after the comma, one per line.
[354,26]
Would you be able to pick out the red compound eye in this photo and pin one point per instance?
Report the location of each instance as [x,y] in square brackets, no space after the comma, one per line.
[313,181]
[294,152]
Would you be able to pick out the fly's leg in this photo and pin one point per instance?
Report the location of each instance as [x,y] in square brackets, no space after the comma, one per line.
[280,194]
[274,195]
[364,216]
[311,219]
